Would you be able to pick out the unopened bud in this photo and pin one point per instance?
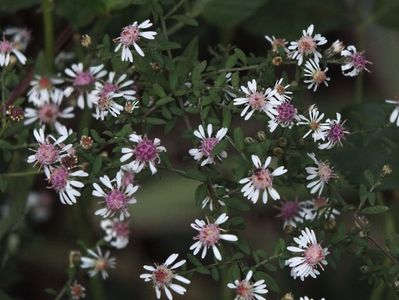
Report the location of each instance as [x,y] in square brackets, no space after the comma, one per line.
[288,296]
[330,224]
[282,142]
[276,61]
[74,258]
[85,40]
[261,135]
[288,229]
[249,140]
[386,170]
[277,151]
[155,66]
[16,114]
[364,269]
[86,142]
[130,106]
[396,284]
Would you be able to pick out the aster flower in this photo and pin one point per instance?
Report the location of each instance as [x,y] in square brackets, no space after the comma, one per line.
[8,49]
[394,117]
[207,145]
[307,45]
[320,175]
[276,43]
[19,36]
[48,113]
[50,150]
[96,262]
[64,181]
[291,212]
[162,277]
[83,81]
[314,75]
[41,88]
[256,100]
[105,104]
[130,35]
[145,152]
[261,180]
[286,116]
[118,85]
[282,90]
[355,62]
[312,256]
[128,175]
[220,192]
[77,291]
[116,232]
[319,206]
[335,133]
[316,127]
[246,290]
[210,235]
[116,198]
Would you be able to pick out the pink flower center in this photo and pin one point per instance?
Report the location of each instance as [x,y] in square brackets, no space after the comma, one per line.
[209,235]
[306,45]
[104,102]
[319,76]
[262,178]
[116,200]
[162,276]
[48,113]
[109,88]
[280,89]
[320,203]
[358,61]
[83,79]
[59,178]
[146,150]
[47,154]
[314,254]
[257,100]
[101,264]
[121,229]
[289,210]
[336,132]
[244,290]
[129,35]
[208,144]
[44,83]
[77,291]
[325,171]
[286,112]
[6,46]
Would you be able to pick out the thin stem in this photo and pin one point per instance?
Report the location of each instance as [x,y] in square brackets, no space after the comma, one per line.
[386,253]
[21,174]
[252,67]
[174,9]
[48,28]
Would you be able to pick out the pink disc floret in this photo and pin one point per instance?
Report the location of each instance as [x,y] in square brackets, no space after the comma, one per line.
[129,35]
[208,144]
[83,79]
[47,154]
[286,112]
[314,254]
[59,178]
[48,113]
[209,235]
[116,200]
[146,150]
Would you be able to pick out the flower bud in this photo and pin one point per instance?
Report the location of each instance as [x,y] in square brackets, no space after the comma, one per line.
[276,61]
[16,114]
[282,142]
[386,170]
[330,224]
[74,258]
[249,140]
[130,106]
[288,296]
[364,269]
[396,284]
[288,229]
[86,142]
[85,40]
[277,151]
[261,135]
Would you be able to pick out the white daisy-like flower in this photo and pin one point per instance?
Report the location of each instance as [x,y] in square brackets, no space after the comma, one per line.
[317,128]
[307,45]
[130,35]
[312,256]
[65,182]
[207,145]
[282,90]
[96,262]
[286,116]
[105,104]
[394,117]
[209,236]
[116,232]
[116,198]
[49,113]
[261,180]
[50,150]
[355,62]
[317,207]
[292,212]
[145,152]
[83,81]
[255,100]
[162,277]
[314,75]
[118,85]
[8,49]
[41,88]
[335,133]
[219,192]
[276,43]
[19,36]
[320,175]
[246,290]
[77,291]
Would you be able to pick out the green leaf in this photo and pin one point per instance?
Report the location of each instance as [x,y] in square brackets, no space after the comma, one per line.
[378,209]
[155,121]
[234,272]
[239,138]
[215,273]
[270,282]
[164,100]
[158,90]
[186,20]
[222,145]
[86,12]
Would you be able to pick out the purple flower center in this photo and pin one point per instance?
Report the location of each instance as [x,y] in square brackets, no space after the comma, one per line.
[146,150]
[286,112]
[83,79]
[209,235]
[127,178]
[359,61]
[48,113]
[116,200]
[6,46]
[208,144]
[129,35]
[109,88]
[47,154]
[59,178]
[289,210]
[262,179]
[336,132]
[314,254]
[325,172]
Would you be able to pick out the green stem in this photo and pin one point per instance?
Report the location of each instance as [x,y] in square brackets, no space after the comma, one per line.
[21,174]
[48,28]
